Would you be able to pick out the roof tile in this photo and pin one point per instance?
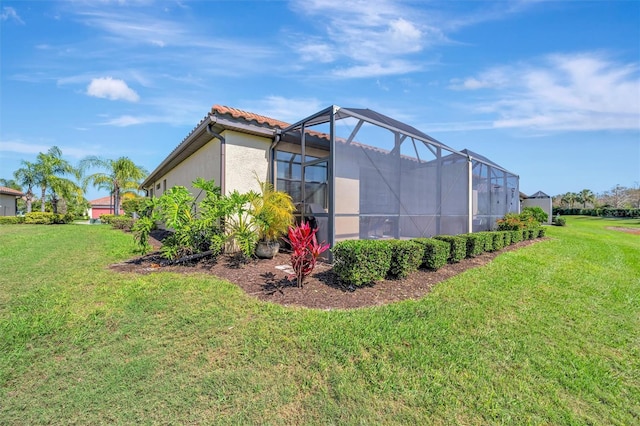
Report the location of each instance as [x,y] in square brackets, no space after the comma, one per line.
[248,116]
[10,191]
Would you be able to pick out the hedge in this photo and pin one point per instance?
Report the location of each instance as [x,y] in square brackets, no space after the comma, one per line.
[506,235]
[359,262]
[498,240]
[406,257]
[516,236]
[434,252]
[458,247]
[475,243]
[122,222]
[11,220]
[602,211]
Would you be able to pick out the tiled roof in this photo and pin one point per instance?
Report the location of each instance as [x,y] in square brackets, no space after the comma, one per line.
[10,191]
[104,201]
[248,116]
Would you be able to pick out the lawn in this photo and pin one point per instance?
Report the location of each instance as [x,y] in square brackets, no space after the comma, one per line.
[548,334]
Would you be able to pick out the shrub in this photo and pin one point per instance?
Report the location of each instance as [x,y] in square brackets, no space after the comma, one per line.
[406,257]
[458,247]
[11,220]
[106,218]
[514,221]
[542,232]
[498,240]
[487,238]
[359,262]
[475,243]
[122,222]
[305,250]
[507,237]
[533,233]
[516,236]
[141,231]
[39,218]
[434,253]
[536,213]
[559,221]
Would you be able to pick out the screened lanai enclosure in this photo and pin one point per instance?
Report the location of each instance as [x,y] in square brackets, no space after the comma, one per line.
[358,174]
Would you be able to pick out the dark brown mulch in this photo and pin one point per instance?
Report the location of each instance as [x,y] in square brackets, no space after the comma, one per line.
[323,290]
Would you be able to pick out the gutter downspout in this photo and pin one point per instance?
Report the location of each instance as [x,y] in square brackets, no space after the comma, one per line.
[223,152]
[272,159]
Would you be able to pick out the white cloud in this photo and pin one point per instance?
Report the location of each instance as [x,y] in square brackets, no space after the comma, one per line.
[20,147]
[9,13]
[112,89]
[377,69]
[565,92]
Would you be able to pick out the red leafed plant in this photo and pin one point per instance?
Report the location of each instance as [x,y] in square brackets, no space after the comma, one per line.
[305,250]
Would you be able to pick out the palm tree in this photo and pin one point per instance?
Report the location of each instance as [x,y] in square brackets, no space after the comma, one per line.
[121,176]
[48,168]
[586,196]
[27,177]
[570,198]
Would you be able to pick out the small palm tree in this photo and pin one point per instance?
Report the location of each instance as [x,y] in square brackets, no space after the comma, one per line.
[586,196]
[272,211]
[121,176]
[26,176]
[50,166]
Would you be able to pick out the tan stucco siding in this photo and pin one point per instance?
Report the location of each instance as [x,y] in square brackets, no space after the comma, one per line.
[246,155]
[204,163]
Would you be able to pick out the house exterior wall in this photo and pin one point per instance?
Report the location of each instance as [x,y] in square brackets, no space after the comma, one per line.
[204,163]
[96,211]
[246,156]
[7,205]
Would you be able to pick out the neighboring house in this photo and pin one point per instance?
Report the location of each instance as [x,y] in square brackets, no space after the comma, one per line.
[9,201]
[102,206]
[542,200]
[354,172]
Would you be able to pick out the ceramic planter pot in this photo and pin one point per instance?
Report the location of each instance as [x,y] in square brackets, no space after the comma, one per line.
[267,249]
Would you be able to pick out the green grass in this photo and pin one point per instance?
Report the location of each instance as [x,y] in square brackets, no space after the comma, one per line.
[549,334]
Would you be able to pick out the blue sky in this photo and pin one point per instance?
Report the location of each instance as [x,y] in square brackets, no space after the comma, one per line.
[548,89]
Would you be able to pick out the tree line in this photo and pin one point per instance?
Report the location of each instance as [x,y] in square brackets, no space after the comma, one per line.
[619,197]
[51,182]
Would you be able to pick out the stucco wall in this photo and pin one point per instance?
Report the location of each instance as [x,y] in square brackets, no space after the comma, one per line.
[247,155]
[7,205]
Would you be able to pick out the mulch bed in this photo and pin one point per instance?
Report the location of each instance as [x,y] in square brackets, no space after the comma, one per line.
[323,290]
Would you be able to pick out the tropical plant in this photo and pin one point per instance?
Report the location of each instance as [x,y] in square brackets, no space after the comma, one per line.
[26,176]
[272,211]
[239,222]
[536,213]
[305,250]
[120,176]
[569,198]
[50,167]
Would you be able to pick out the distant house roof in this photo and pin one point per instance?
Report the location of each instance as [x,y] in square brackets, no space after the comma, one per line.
[100,202]
[10,191]
[539,194]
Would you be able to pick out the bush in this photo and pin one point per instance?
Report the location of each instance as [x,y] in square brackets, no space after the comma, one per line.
[458,247]
[434,253]
[536,213]
[11,220]
[507,237]
[406,257]
[487,237]
[106,218]
[559,221]
[516,236]
[305,250]
[498,240]
[475,243]
[122,222]
[39,218]
[542,232]
[359,262]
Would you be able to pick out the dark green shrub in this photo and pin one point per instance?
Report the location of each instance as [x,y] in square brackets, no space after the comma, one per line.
[542,232]
[559,221]
[11,220]
[406,257]
[498,240]
[536,213]
[487,238]
[475,243]
[533,233]
[516,236]
[434,253]
[458,247]
[39,218]
[359,262]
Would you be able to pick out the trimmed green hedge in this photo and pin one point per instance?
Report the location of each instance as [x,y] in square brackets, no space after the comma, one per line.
[406,257]
[434,252]
[360,262]
[603,211]
[458,247]
[498,240]
[475,244]
[122,222]
[506,235]
[11,220]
